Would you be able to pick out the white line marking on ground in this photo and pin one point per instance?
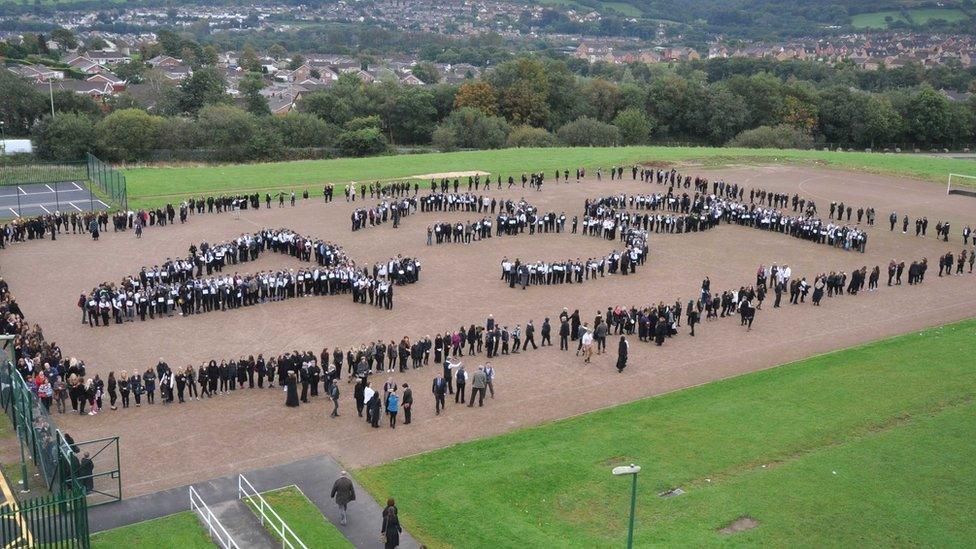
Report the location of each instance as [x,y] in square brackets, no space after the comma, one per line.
[102,203]
[49,187]
[21,190]
[45,209]
[14,212]
[77,186]
[75,207]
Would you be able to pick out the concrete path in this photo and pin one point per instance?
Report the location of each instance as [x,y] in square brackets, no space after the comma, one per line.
[313,476]
[243,525]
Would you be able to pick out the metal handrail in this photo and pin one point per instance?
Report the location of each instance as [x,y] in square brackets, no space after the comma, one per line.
[217,531]
[263,507]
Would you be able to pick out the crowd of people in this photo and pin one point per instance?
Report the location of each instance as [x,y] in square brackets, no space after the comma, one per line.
[201,282]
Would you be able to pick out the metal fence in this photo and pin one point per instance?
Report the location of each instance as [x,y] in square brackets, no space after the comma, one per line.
[53,521]
[269,517]
[108,180]
[39,173]
[218,533]
[92,466]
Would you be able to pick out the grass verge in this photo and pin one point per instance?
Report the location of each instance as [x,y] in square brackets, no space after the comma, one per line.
[870,445]
[179,531]
[304,518]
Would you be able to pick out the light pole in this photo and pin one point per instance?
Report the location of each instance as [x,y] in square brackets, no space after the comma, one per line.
[631,470]
[3,139]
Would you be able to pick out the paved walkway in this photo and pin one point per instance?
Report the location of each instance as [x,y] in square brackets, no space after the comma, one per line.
[313,476]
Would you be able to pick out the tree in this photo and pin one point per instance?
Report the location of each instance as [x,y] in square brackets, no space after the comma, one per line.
[128,134]
[522,104]
[249,59]
[170,41]
[277,51]
[479,95]
[588,132]
[65,38]
[881,123]
[250,87]
[205,86]
[426,71]
[634,125]
[66,136]
[296,61]
[602,98]
[362,142]
[326,105]
[132,71]
[928,117]
[22,104]
[413,115]
[527,136]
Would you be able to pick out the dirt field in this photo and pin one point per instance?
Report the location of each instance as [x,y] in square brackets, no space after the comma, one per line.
[166,447]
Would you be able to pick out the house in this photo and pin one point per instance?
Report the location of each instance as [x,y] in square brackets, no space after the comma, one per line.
[106,77]
[95,90]
[411,80]
[108,57]
[161,61]
[83,64]
[301,73]
[176,73]
[36,73]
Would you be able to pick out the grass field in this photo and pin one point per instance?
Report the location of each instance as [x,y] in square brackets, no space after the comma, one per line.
[153,186]
[920,16]
[305,519]
[869,446]
[179,531]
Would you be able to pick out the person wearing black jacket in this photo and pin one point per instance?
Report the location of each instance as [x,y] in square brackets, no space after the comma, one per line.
[439,389]
[406,403]
[622,349]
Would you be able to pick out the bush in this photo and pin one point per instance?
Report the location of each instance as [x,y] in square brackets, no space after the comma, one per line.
[588,132]
[364,142]
[66,136]
[782,136]
[472,129]
[527,136]
[304,130]
[444,139]
[363,123]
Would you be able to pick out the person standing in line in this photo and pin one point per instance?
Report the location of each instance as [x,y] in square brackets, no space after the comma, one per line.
[490,378]
[343,492]
[392,407]
[478,384]
[406,403]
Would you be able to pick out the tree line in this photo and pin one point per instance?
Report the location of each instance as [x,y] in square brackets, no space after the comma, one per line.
[527,101]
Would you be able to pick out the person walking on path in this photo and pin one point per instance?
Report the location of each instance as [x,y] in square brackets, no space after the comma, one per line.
[622,349]
[390,530]
[343,492]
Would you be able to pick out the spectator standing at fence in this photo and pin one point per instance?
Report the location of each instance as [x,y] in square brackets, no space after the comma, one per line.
[343,492]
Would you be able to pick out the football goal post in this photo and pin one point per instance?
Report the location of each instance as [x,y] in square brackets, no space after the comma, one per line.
[961,184]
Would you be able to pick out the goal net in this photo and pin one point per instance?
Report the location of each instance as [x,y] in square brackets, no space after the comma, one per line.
[961,184]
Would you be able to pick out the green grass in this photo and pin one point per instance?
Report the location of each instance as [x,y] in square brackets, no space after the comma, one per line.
[869,446]
[876,20]
[158,185]
[179,531]
[920,16]
[304,518]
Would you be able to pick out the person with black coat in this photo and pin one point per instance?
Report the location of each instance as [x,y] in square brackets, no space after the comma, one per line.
[622,349]
[291,388]
[390,530]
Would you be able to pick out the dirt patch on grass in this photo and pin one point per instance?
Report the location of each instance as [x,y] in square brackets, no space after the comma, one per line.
[446,175]
[740,524]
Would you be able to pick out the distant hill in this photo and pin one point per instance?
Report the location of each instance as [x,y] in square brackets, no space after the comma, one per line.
[777,18]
